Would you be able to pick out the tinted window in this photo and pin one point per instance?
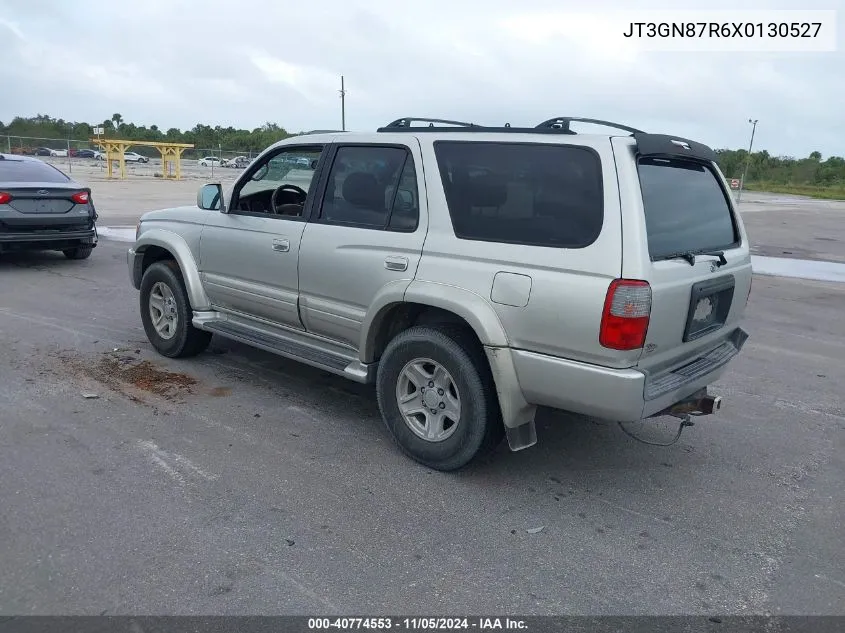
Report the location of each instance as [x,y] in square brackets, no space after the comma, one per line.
[374,187]
[541,195]
[685,207]
[12,170]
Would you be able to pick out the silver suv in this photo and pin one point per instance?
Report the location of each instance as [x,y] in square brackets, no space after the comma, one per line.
[471,273]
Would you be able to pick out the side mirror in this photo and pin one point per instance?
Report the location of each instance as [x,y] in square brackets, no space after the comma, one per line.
[210,197]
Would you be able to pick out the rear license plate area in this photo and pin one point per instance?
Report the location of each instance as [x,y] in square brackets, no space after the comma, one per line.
[709,306]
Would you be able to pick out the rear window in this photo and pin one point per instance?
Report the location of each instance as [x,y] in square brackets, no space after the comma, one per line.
[685,208]
[520,193]
[12,170]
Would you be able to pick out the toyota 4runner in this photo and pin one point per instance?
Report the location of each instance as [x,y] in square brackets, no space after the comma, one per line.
[471,273]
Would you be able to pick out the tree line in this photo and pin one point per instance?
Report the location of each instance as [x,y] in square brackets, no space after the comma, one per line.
[762,167]
[22,131]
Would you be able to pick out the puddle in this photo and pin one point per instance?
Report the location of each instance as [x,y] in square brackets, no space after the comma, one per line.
[119,233]
[798,268]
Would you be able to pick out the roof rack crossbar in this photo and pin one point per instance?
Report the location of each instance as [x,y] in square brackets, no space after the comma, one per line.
[406,122]
[562,123]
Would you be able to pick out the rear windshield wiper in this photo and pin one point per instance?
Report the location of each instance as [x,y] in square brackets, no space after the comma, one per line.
[689,256]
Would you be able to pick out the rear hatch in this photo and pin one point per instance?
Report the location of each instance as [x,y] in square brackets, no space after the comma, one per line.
[684,237]
[45,207]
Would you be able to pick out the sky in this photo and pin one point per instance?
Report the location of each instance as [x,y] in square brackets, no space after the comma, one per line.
[245,62]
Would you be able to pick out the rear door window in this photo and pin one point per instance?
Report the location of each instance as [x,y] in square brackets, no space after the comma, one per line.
[522,193]
[686,209]
[12,170]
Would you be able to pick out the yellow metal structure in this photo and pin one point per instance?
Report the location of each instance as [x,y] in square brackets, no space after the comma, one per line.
[171,155]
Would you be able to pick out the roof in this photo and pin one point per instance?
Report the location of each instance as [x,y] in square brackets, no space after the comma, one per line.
[655,145]
[16,157]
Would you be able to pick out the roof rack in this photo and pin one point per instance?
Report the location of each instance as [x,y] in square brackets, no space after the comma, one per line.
[405,122]
[558,125]
[562,123]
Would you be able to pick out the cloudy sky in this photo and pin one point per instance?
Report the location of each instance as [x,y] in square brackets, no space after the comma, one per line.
[245,62]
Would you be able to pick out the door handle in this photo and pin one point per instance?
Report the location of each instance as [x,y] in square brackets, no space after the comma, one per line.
[396,263]
[281,246]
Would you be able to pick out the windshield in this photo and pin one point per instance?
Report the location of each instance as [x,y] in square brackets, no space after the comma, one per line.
[685,208]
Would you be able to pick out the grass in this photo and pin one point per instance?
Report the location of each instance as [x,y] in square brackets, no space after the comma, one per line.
[834,192]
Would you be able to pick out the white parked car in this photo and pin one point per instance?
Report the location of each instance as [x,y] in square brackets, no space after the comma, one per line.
[62,153]
[209,160]
[134,157]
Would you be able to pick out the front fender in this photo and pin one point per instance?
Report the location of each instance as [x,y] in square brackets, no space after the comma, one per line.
[176,245]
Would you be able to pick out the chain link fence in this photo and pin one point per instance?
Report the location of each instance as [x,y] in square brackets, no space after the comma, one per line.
[71,148]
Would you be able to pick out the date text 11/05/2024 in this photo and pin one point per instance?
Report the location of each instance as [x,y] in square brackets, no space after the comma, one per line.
[417,624]
[723,29]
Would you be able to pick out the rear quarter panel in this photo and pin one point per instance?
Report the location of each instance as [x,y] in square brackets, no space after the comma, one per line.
[565,288]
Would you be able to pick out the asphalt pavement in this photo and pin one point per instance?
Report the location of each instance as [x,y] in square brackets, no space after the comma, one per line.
[241,483]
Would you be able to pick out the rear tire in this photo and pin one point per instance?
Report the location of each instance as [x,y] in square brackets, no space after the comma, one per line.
[170,331]
[448,355]
[80,252]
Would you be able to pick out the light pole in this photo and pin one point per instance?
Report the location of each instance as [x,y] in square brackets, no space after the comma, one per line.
[753,123]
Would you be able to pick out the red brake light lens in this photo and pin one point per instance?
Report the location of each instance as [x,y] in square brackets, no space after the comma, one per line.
[80,197]
[624,321]
[5,197]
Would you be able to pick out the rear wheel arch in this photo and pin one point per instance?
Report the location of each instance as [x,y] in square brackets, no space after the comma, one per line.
[424,303]
[471,314]
[397,317]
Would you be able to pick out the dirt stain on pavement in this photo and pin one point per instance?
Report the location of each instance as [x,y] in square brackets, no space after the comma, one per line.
[132,377]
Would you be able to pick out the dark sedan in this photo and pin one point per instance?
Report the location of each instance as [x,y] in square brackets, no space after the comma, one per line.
[41,208]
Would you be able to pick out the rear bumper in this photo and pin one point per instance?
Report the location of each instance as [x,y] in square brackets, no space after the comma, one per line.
[623,395]
[43,240]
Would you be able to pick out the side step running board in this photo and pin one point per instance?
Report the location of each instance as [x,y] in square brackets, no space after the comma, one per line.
[289,347]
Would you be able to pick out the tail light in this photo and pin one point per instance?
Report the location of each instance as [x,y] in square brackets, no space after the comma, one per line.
[624,321]
[5,197]
[80,197]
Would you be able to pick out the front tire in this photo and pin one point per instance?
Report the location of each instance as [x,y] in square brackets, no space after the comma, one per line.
[437,397]
[80,252]
[166,313]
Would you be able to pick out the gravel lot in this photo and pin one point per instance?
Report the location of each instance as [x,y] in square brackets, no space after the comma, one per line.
[242,483]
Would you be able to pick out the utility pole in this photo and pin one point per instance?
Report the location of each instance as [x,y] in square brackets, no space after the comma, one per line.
[747,159]
[342,105]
